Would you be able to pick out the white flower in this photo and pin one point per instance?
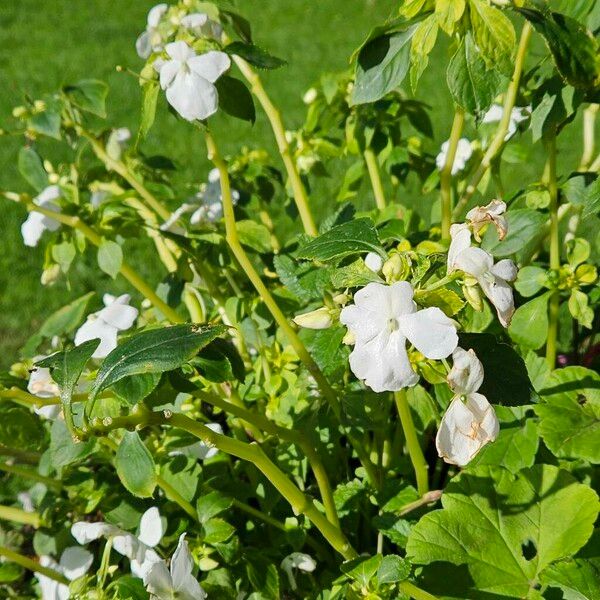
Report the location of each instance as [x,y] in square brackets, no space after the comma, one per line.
[105,324]
[470,421]
[26,501]
[74,563]
[517,115]
[310,95]
[42,385]
[381,320]
[373,262]
[189,79]
[315,319]
[200,450]
[138,549]
[202,26]
[150,40]
[463,154]
[36,223]
[297,560]
[493,212]
[492,278]
[176,582]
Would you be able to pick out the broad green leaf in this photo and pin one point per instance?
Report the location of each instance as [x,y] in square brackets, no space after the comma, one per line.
[529,325]
[447,300]
[584,191]
[580,309]
[254,55]
[392,568]
[150,91]
[353,237]
[48,121]
[63,254]
[63,450]
[328,350]
[362,569]
[263,577]
[472,84]
[382,65]
[135,465]
[254,235]
[448,13]
[134,389]
[516,445]
[525,229]
[494,35]
[217,530]
[212,504]
[235,98]
[154,351]
[88,95]
[570,413]
[501,364]
[573,47]
[423,42]
[20,428]
[530,280]
[110,257]
[356,274]
[490,515]
[578,579]
[32,169]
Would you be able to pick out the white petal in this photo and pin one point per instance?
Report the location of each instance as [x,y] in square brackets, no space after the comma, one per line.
[493,115]
[119,316]
[179,51]
[126,544]
[33,228]
[41,383]
[474,261]
[210,65]
[485,415]
[373,262]
[190,589]
[500,295]
[151,527]
[144,561]
[192,96]
[49,412]
[75,562]
[143,47]
[181,563]
[466,375]
[167,70]
[401,299]
[158,580]
[461,240]
[194,20]
[156,13]
[202,450]
[85,532]
[505,269]
[47,195]
[98,329]
[431,332]
[363,323]
[453,441]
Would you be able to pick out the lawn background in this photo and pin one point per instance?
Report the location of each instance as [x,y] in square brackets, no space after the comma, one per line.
[46,44]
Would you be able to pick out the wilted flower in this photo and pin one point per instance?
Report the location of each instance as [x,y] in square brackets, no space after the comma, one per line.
[470,421]
[36,223]
[492,278]
[74,563]
[105,324]
[373,262]
[150,41]
[138,549]
[176,582]
[463,154]
[300,561]
[480,216]
[315,319]
[189,78]
[381,320]
[517,115]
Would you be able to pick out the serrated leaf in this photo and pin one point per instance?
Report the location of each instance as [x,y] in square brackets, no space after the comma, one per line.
[353,237]
[32,169]
[447,300]
[154,351]
[150,91]
[235,98]
[578,579]
[362,569]
[135,465]
[356,274]
[392,569]
[254,55]
[489,515]
[212,504]
[254,235]
[217,530]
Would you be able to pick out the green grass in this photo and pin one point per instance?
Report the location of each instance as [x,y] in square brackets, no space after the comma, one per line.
[47,44]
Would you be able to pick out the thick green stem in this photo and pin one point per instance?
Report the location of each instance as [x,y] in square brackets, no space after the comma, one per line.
[29,474]
[498,140]
[375,177]
[554,304]
[18,515]
[299,191]
[23,456]
[412,442]
[411,590]
[589,138]
[446,172]
[32,565]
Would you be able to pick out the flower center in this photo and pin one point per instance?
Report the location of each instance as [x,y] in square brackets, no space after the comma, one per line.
[393,324]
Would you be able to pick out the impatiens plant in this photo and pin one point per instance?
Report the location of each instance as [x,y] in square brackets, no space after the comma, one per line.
[364,366]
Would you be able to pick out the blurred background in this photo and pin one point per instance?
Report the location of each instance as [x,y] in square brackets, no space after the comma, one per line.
[44,45]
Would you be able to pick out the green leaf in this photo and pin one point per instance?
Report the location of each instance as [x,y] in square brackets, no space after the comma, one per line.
[217,530]
[88,95]
[254,55]
[110,257]
[582,191]
[579,579]
[530,280]
[356,274]
[150,91]
[448,13]
[328,350]
[382,65]
[31,167]
[20,428]
[490,515]
[63,254]
[63,450]
[447,300]
[570,413]
[264,578]
[494,35]
[393,568]
[235,98]
[574,49]
[254,235]
[154,351]
[212,504]
[362,569]
[353,237]
[472,84]
[580,309]
[525,229]
[501,364]
[134,389]
[529,325]
[135,465]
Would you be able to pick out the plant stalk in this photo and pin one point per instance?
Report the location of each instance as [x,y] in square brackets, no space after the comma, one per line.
[446,172]
[30,474]
[18,515]
[375,177]
[32,565]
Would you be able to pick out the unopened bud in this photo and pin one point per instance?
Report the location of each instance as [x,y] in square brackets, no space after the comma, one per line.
[396,268]
[373,262]
[341,299]
[473,296]
[316,319]
[349,339]
[53,178]
[19,111]
[310,96]
[39,105]
[50,275]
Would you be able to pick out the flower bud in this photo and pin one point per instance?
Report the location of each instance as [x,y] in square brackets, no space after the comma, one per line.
[373,262]
[473,296]
[396,268]
[39,105]
[316,319]
[50,275]
[19,111]
[349,339]
[310,96]
[341,299]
